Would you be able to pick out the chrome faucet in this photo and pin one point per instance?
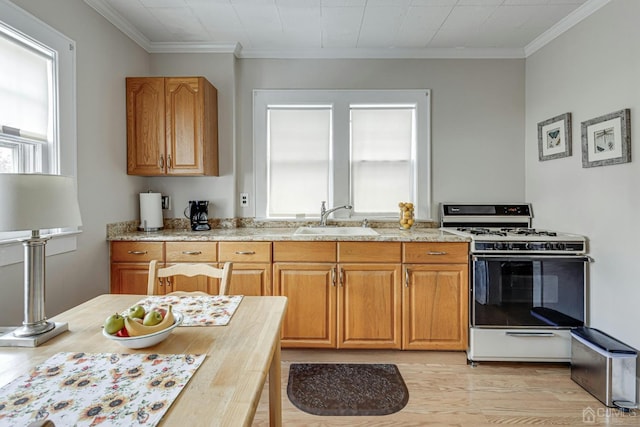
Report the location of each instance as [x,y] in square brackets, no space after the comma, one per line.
[324,212]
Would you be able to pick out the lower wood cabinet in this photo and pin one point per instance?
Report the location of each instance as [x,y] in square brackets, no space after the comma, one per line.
[435,297]
[251,267]
[311,293]
[338,305]
[130,265]
[369,306]
[356,295]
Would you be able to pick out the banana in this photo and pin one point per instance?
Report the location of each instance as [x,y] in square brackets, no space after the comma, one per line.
[136,329]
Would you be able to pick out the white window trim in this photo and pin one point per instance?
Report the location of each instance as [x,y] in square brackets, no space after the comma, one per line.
[32,27]
[341,99]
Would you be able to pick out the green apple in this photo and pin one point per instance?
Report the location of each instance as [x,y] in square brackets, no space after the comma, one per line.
[114,323]
[136,312]
[152,318]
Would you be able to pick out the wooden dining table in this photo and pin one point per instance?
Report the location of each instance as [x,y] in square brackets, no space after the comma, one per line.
[226,388]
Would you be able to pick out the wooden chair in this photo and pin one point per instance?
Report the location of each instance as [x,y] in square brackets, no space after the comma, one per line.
[189,270]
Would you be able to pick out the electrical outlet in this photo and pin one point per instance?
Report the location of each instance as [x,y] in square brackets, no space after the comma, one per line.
[244,200]
[166,202]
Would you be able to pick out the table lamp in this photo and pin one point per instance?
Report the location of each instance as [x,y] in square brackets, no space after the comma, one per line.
[36,202]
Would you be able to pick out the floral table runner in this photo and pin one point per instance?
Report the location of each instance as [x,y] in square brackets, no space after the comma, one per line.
[198,310]
[79,389]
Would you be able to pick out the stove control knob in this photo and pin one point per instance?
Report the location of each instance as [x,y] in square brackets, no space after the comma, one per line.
[560,246]
[498,246]
[527,245]
[548,246]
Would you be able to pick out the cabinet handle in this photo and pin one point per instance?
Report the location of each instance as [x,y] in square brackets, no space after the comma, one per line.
[169,161]
[245,252]
[161,162]
[406,278]
[192,252]
[436,253]
[333,276]
[137,252]
[341,277]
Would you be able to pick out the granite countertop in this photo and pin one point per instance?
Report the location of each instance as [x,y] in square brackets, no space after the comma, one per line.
[385,234]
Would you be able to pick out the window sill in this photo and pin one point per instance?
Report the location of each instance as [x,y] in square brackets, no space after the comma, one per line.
[12,251]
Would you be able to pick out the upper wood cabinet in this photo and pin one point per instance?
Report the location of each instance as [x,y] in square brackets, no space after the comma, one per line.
[172,126]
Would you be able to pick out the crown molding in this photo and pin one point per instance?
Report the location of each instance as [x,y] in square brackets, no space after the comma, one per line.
[569,21]
[122,24]
[368,53]
[197,47]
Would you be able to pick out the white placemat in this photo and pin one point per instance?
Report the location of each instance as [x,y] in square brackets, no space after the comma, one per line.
[79,389]
[198,310]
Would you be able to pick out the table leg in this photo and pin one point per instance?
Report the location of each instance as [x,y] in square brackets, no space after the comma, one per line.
[275,391]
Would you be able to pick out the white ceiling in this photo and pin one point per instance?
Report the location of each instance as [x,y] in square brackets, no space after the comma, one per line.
[346,28]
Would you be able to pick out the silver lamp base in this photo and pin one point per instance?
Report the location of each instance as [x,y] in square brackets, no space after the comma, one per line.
[9,338]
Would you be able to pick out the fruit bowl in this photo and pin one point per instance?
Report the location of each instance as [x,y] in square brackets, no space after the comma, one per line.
[144,341]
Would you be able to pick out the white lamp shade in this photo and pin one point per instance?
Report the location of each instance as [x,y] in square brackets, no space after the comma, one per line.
[36,202]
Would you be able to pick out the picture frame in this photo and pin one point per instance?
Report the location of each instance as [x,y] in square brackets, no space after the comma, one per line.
[606,140]
[554,137]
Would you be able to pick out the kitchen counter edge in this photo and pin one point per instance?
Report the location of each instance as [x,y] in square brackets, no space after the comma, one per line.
[285,234]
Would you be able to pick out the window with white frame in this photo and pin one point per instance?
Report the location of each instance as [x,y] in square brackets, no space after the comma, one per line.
[37,102]
[28,143]
[369,149]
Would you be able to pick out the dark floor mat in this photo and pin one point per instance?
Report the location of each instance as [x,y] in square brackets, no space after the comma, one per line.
[347,389]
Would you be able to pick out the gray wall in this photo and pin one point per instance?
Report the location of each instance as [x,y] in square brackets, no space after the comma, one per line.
[592,70]
[477,110]
[106,193]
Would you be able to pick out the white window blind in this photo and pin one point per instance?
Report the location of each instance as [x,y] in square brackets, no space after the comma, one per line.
[25,89]
[299,159]
[382,141]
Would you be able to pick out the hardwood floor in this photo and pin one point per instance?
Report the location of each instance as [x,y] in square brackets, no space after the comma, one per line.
[445,391]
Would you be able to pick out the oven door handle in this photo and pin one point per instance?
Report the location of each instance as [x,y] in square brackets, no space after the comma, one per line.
[510,257]
[530,334]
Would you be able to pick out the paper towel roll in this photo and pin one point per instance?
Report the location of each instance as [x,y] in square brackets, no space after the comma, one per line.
[150,212]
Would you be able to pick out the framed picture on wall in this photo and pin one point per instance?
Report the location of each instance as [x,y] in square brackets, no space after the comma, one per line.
[606,140]
[554,137]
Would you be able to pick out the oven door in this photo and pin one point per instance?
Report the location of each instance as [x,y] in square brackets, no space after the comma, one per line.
[522,290]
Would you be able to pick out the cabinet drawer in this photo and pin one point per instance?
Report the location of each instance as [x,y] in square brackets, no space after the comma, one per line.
[245,251]
[137,251]
[191,252]
[304,251]
[369,251]
[436,252]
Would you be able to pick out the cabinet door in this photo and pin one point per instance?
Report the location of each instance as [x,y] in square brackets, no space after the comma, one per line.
[145,126]
[185,115]
[369,306]
[129,278]
[310,289]
[250,279]
[436,301]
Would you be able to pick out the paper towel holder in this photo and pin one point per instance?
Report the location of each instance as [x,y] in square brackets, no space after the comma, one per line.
[151,218]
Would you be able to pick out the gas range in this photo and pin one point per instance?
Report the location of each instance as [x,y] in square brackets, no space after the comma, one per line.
[499,228]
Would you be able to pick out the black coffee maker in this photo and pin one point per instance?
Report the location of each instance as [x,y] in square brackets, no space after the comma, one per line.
[197,212]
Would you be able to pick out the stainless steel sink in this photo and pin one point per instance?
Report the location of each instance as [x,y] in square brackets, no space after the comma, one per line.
[335,231]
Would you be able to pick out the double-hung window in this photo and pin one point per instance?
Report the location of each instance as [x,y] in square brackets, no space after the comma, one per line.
[368,149]
[37,105]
